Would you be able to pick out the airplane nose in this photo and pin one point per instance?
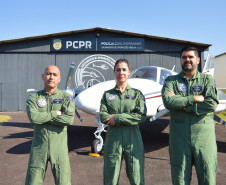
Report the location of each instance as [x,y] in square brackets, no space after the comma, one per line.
[84,103]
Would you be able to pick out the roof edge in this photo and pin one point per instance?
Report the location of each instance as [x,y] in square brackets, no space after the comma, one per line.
[220,55]
[103,29]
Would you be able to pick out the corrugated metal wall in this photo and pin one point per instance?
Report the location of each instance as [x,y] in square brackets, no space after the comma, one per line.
[19,72]
[22,63]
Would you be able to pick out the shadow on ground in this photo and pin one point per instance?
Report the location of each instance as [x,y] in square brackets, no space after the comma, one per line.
[80,137]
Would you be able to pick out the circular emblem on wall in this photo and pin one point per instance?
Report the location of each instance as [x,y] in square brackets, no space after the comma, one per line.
[93,69]
[57,44]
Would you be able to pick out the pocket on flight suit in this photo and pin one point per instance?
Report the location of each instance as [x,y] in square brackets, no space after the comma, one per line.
[62,173]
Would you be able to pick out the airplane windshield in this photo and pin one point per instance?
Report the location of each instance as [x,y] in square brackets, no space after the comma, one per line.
[146,73]
[163,75]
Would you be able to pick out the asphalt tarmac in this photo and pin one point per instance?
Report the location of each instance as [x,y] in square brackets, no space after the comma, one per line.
[16,137]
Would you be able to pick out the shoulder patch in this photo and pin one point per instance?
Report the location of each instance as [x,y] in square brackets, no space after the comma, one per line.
[70,98]
[142,96]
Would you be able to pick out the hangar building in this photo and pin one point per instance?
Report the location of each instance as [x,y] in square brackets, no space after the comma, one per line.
[94,52]
[219,70]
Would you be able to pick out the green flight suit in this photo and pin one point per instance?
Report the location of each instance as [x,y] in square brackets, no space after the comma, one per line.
[123,140]
[192,139]
[50,136]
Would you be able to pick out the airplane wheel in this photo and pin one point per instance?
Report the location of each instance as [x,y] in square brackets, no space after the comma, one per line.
[96,147]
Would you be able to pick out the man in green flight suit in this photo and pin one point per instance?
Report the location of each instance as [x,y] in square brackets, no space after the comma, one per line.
[50,111]
[192,98]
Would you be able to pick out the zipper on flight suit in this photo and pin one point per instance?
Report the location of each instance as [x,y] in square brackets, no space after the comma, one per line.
[48,110]
[120,98]
[188,88]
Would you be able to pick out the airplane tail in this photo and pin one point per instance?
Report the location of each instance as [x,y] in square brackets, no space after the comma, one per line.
[209,65]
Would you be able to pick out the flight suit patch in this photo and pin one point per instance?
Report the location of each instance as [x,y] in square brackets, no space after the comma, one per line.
[142,96]
[42,102]
[112,97]
[196,88]
[129,96]
[58,100]
[182,87]
[70,98]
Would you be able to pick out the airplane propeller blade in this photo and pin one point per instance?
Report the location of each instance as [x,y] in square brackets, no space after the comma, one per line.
[68,85]
[70,75]
[220,120]
[78,115]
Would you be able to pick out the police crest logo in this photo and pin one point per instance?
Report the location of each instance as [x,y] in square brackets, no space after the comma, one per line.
[112,97]
[42,102]
[182,87]
[57,45]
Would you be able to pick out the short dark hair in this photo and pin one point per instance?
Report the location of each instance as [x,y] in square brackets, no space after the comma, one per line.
[122,60]
[190,48]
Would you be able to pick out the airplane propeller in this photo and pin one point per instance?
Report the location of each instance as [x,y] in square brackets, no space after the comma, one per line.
[68,86]
[69,76]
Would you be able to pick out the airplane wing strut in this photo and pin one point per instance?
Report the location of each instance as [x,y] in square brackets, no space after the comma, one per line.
[159,114]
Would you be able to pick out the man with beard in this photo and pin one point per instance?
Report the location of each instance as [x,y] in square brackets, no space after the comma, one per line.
[50,111]
[192,98]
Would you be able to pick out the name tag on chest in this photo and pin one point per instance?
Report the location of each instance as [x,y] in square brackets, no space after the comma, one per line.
[58,100]
[129,96]
[196,88]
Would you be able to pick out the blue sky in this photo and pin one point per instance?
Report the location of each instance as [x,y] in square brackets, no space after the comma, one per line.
[195,20]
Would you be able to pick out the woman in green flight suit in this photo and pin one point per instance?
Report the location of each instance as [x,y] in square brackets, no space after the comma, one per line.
[123,108]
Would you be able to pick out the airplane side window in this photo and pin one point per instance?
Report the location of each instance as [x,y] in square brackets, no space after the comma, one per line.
[163,75]
[138,74]
[150,74]
[147,73]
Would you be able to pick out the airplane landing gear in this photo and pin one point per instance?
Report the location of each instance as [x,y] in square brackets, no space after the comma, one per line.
[98,143]
[96,147]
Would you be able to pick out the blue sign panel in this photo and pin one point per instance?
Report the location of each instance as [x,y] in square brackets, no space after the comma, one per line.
[72,44]
[99,44]
[120,44]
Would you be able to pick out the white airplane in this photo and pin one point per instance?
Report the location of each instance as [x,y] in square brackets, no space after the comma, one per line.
[149,80]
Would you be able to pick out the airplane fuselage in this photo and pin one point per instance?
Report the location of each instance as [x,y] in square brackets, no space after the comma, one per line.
[89,100]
